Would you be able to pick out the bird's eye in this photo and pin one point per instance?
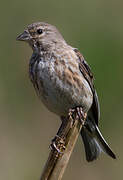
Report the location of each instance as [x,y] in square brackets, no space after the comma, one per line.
[39,31]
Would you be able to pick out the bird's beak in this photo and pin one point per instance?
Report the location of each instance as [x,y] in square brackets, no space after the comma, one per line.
[25,36]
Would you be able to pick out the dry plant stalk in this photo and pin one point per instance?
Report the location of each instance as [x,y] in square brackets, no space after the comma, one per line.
[65,141]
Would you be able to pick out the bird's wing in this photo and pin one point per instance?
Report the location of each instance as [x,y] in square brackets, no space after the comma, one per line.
[86,71]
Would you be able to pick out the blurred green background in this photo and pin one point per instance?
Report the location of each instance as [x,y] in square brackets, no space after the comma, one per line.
[26,127]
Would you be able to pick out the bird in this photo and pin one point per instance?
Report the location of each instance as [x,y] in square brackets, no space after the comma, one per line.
[62,80]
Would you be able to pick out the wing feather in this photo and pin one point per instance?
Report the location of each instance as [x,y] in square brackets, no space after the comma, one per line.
[94,112]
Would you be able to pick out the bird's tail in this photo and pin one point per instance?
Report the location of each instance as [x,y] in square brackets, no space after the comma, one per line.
[94,142]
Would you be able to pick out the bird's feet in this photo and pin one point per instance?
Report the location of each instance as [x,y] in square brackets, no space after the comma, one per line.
[77,113]
[58,144]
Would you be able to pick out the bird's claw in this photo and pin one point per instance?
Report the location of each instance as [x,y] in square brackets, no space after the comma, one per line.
[81,115]
[77,113]
[58,144]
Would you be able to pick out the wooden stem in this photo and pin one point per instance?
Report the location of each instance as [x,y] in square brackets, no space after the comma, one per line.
[62,147]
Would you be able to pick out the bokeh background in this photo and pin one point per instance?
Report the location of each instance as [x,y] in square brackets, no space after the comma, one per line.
[26,127]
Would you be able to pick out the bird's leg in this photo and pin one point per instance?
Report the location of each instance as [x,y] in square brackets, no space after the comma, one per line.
[72,116]
[77,113]
[81,115]
[58,144]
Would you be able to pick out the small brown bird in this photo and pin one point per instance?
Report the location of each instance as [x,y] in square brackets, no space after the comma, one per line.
[63,80]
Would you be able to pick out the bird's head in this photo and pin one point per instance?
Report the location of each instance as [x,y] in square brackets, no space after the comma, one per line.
[41,35]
